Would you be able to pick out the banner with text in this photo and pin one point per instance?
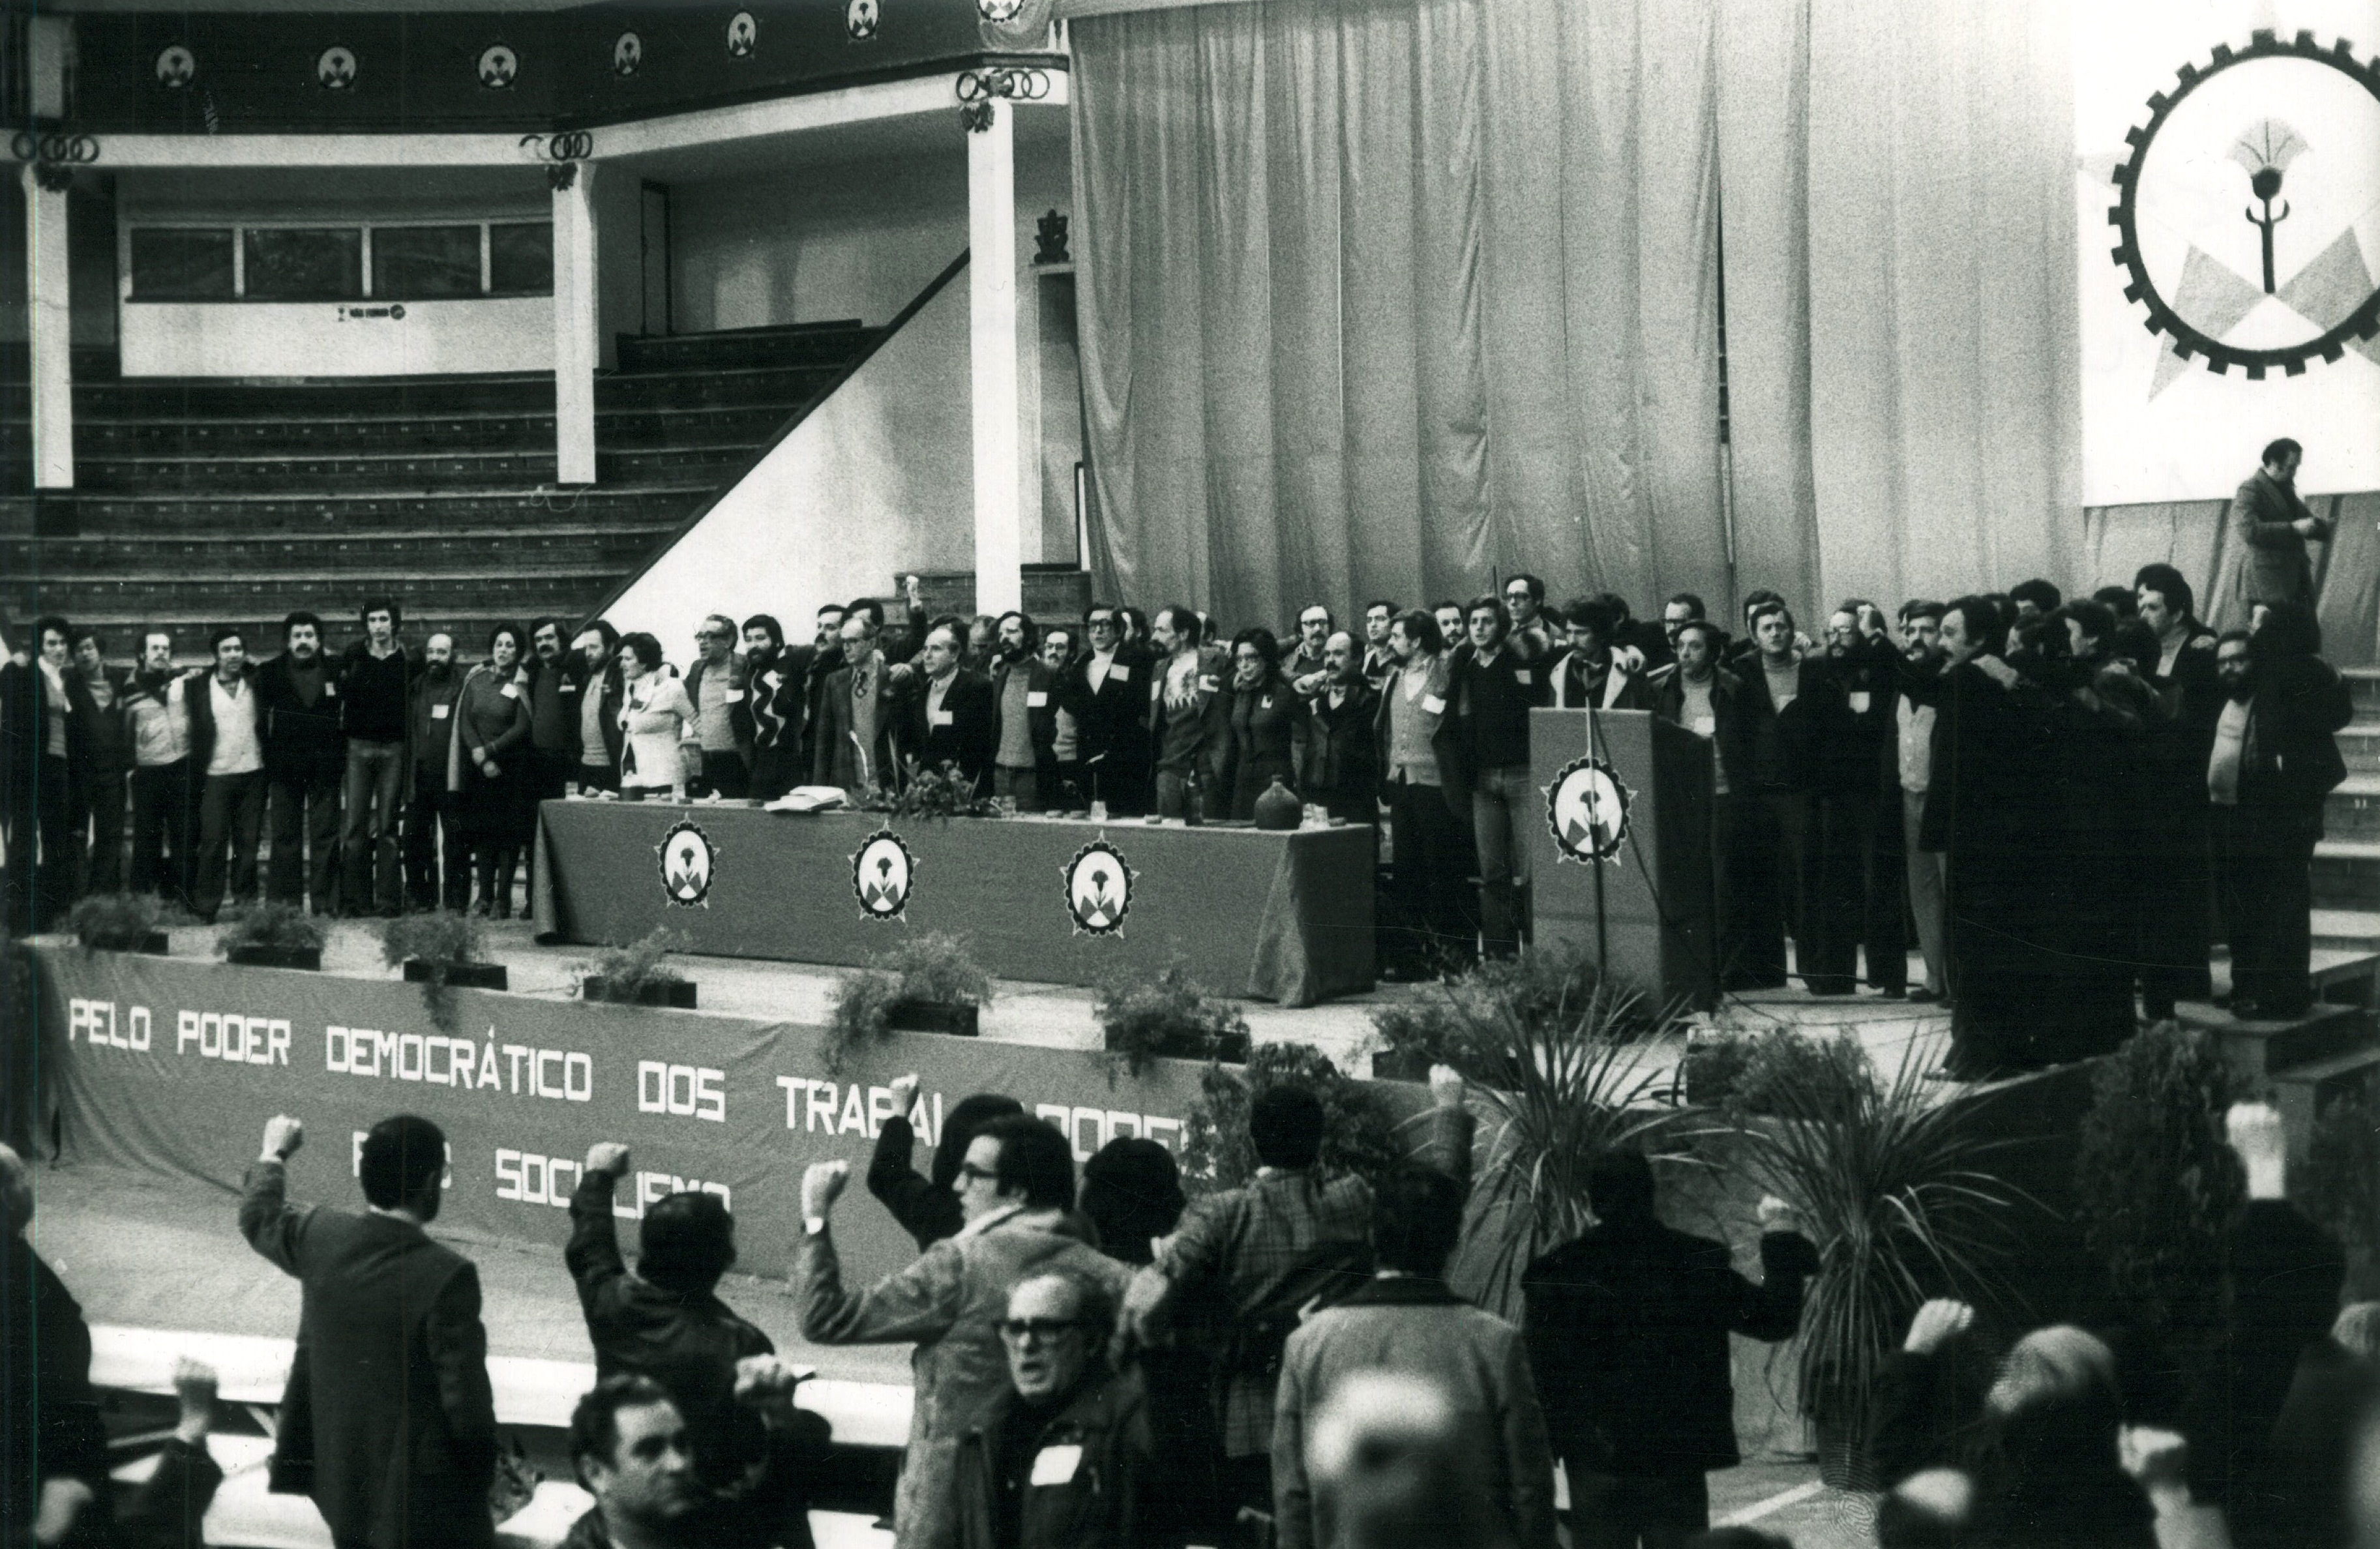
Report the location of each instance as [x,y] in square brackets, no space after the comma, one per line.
[173,1067]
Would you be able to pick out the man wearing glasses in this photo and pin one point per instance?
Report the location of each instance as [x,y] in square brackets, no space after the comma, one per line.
[1016,1191]
[1531,635]
[1065,1459]
[718,753]
[1107,692]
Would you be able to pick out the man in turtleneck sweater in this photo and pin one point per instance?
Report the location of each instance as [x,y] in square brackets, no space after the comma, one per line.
[305,764]
[431,810]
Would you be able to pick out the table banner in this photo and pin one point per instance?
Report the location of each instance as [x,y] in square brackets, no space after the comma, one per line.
[1283,916]
[171,1067]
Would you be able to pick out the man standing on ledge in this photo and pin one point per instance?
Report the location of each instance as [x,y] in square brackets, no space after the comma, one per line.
[2271,522]
[389,1423]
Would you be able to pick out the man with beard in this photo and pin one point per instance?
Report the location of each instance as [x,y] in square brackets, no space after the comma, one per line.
[2171,927]
[778,681]
[1983,815]
[718,746]
[431,817]
[1024,716]
[156,710]
[305,764]
[1921,647]
[378,683]
[1303,667]
[601,689]
[1590,675]
[228,765]
[1343,760]
[826,658]
[2274,760]
[555,689]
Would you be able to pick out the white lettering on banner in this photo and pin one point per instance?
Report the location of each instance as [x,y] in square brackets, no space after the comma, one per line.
[442,1061]
[94,1021]
[233,1038]
[529,1179]
[812,1107]
[687,1091]
[1103,1125]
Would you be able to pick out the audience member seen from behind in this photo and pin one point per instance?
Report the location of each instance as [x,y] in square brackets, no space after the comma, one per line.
[389,1423]
[1407,1320]
[56,1445]
[1065,1457]
[1015,1187]
[927,1207]
[1628,1332]
[1385,1459]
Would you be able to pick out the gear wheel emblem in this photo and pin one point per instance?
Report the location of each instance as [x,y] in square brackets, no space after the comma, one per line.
[2238,263]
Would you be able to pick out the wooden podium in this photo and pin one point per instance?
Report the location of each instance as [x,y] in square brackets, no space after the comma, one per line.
[1621,848]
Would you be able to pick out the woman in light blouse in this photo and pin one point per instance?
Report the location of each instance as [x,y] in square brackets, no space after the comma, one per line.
[488,768]
[655,717]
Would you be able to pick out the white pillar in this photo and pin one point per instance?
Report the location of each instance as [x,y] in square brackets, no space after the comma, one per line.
[577,339]
[992,295]
[51,306]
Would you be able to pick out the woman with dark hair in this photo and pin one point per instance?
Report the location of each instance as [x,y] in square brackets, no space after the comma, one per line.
[655,718]
[1269,720]
[487,768]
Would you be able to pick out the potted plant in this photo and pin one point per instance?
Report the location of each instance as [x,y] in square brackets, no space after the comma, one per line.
[636,975]
[1359,1134]
[118,923]
[271,936]
[1168,1017]
[1894,1191]
[927,983]
[441,948]
[1711,1069]
[939,792]
[1458,1021]
[2158,1186]
[1754,1074]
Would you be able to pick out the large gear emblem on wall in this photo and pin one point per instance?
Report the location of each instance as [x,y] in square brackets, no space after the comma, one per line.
[2248,213]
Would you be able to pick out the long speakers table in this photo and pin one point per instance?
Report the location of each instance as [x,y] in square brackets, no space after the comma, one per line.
[1283,916]
[1620,846]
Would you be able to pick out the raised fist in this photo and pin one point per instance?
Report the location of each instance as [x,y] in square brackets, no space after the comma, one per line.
[608,1155]
[283,1136]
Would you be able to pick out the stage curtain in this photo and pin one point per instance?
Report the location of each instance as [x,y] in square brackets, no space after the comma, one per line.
[1900,225]
[1384,298]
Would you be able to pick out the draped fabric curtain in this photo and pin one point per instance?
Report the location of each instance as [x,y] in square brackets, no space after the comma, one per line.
[1384,298]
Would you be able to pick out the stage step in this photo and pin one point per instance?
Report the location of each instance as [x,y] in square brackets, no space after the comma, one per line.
[2301,1091]
[2347,873]
[2364,686]
[341,512]
[2360,745]
[2259,1048]
[2347,929]
[2352,811]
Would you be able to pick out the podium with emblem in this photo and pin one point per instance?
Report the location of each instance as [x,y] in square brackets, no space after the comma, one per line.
[1621,849]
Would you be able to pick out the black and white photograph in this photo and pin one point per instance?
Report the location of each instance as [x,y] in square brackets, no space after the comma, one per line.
[1517,774]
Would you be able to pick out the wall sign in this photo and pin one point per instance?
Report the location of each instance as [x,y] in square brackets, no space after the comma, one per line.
[743,35]
[688,862]
[880,875]
[336,68]
[1099,890]
[176,67]
[627,55]
[499,66]
[1586,808]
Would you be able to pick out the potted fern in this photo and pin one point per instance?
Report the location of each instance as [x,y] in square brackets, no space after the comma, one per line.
[636,974]
[1168,1017]
[272,936]
[441,949]
[927,983]
[118,923]
[1359,1132]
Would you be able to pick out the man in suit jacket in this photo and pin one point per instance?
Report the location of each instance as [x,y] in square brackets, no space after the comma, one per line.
[1107,693]
[1628,1330]
[858,712]
[389,1423]
[2272,524]
[950,721]
[1024,716]
[1343,751]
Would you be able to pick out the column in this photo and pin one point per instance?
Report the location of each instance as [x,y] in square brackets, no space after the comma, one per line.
[992,297]
[576,340]
[51,305]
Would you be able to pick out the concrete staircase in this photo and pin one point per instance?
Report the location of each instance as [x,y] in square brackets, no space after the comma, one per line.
[199,502]
[2306,1060]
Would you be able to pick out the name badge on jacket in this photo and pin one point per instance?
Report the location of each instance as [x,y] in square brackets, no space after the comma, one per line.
[1861,700]
[1119,673]
[1433,704]
[330,689]
[1705,726]
[1057,1465]
[940,717]
[1520,676]
[510,690]
[567,687]
[438,713]
[735,695]
[1036,698]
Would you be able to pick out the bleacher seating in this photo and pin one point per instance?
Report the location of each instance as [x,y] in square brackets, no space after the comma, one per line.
[199,502]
